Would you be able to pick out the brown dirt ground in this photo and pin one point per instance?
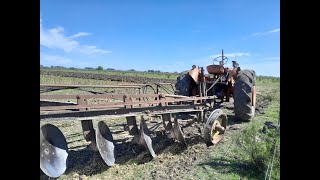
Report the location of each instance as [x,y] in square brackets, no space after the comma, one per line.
[129,79]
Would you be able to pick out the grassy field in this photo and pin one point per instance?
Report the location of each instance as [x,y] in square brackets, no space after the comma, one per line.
[245,152]
[244,156]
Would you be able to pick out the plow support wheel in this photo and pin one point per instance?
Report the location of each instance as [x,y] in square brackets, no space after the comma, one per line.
[215,127]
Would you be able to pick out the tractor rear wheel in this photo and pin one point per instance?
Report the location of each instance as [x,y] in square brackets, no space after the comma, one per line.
[183,85]
[244,95]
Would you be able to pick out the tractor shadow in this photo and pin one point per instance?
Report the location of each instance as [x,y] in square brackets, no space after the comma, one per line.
[224,165]
[225,105]
[233,120]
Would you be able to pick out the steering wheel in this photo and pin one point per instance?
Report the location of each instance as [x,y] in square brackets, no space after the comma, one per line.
[225,58]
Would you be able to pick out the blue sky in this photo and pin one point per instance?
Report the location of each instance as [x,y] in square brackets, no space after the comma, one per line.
[160,35]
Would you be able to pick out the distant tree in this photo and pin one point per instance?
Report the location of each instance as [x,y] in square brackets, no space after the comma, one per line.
[89,68]
[99,68]
[131,70]
[110,69]
[58,67]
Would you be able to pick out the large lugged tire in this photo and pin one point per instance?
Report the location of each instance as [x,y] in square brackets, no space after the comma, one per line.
[183,85]
[243,109]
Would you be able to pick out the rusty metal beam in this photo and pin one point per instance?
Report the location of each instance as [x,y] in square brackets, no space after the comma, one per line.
[91,96]
[88,130]
[176,96]
[164,83]
[112,113]
[113,104]
[132,125]
[54,103]
[101,86]
[90,86]
[87,126]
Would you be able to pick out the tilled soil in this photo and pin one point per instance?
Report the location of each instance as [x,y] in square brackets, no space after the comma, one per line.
[129,79]
[173,160]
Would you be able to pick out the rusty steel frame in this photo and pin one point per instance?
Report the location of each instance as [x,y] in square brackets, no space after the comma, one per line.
[120,104]
[90,86]
[170,107]
[63,86]
[117,112]
[139,87]
[159,98]
[128,105]
[83,110]
[89,96]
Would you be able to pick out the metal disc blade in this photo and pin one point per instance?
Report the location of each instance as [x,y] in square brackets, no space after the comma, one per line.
[53,151]
[145,137]
[178,133]
[105,143]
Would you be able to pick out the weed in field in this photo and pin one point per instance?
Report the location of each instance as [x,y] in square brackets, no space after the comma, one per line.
[259,147]
[246,154]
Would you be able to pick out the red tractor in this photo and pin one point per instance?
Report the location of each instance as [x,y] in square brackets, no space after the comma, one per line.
[222,82]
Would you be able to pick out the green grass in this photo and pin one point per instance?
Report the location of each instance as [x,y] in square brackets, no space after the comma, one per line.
[268,89]
[233,160]
[247,153]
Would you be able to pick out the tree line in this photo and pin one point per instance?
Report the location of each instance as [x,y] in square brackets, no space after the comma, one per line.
[100,68]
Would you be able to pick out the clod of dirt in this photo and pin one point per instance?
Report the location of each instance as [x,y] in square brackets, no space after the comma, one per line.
[268,125]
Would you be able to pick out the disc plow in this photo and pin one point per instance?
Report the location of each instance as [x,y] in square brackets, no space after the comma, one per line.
[147,101]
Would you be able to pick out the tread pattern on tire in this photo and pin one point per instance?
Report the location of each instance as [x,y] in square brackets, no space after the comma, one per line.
[246,79]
